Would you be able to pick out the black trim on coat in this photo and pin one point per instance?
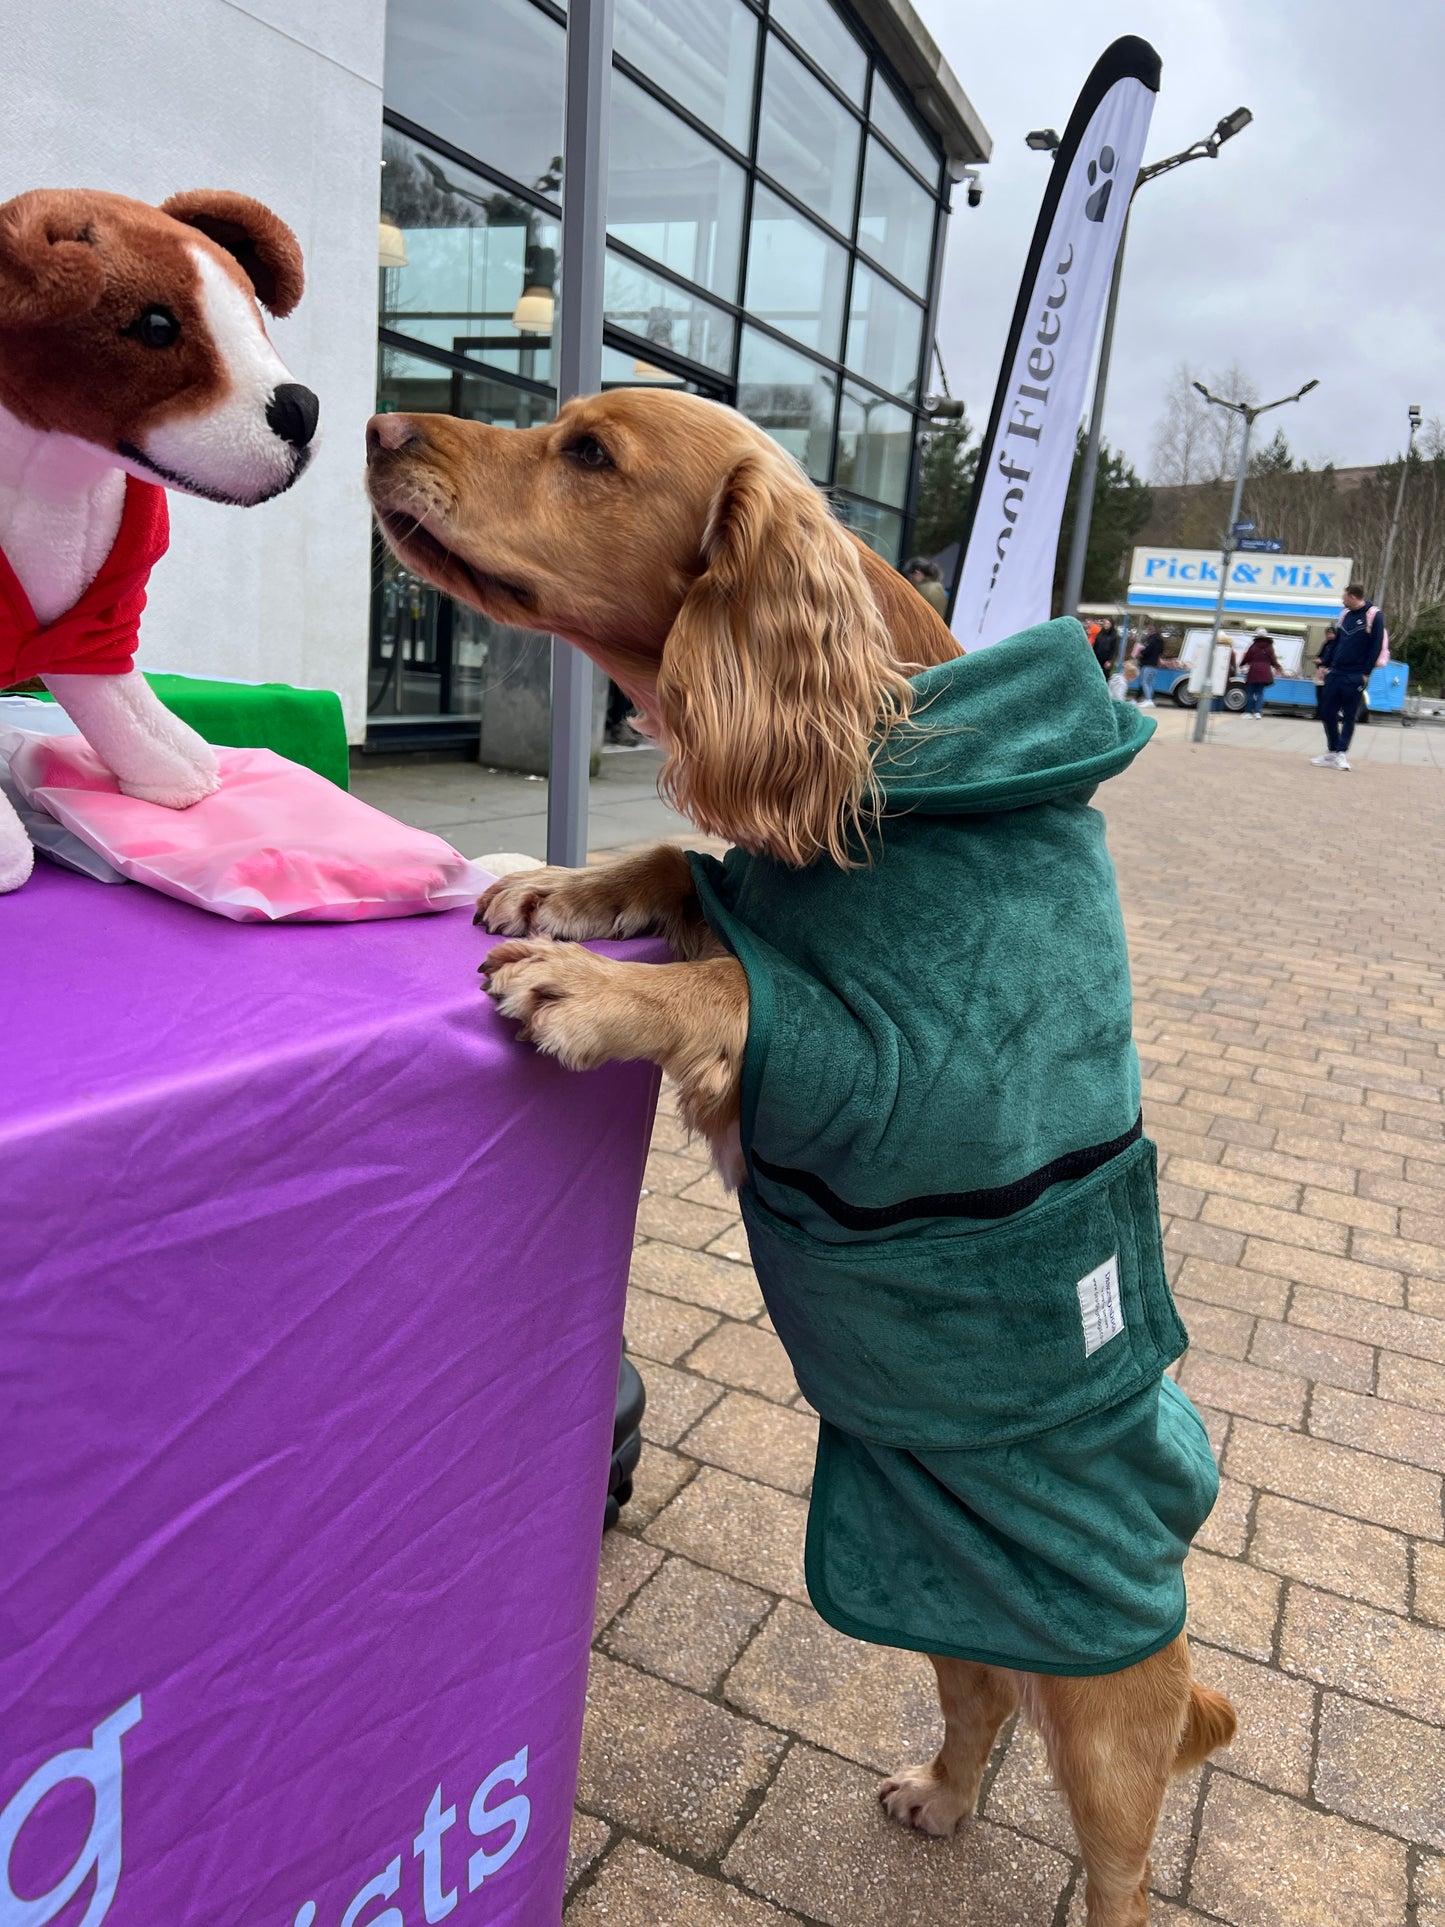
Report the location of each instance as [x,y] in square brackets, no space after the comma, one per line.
[998,1201]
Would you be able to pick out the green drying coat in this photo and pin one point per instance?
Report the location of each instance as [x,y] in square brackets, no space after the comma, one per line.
[950,1206]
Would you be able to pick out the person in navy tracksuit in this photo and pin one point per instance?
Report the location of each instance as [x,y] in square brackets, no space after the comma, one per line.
[1347,662]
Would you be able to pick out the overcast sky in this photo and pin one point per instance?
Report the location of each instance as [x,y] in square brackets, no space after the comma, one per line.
[1314,244]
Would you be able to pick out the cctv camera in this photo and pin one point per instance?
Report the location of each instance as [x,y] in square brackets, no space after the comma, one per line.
[975,185]
[975,195]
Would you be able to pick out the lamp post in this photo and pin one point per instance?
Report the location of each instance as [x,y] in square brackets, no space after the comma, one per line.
[1248,413]
[1043,140]
[1399,504]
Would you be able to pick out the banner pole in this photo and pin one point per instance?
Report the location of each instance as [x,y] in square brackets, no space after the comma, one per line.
[578,340]
[1089,471]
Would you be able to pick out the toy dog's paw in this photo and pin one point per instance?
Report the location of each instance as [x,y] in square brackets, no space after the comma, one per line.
[556,902]
[553,991]
[178,791]
[919,1797]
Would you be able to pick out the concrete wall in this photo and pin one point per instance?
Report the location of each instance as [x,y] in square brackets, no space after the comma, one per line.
[280,99]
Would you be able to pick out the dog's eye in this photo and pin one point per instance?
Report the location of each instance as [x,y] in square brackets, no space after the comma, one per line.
[588,452]
[155,328]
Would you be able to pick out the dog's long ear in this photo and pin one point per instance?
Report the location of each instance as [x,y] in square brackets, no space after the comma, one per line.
[260,241]
[777,675]
[49,268]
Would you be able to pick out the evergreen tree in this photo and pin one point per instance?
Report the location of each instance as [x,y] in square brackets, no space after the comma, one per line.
[1122,506]
[945,487]
[1274,458]
[1424,650]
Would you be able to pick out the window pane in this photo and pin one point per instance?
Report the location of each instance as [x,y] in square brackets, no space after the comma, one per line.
[790,397]
[495,90]
[816,27]
[807,140]
[892,118]
[431,656]
[885,333]
[622,369]
[895,222]
[875,446]
[701,51]
[644,304]
[881,529]
[796,275]
[463,252]
[671,194]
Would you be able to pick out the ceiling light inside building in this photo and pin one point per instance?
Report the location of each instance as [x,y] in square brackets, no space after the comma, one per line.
[536,311]
[390,245]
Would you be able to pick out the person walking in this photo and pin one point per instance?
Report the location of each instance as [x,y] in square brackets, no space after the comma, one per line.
[1106,645]
[1260,665]
[1347,663]
[927,578]
[1149,657]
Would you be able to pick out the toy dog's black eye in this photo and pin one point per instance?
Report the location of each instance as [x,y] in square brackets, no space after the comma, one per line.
[155,328]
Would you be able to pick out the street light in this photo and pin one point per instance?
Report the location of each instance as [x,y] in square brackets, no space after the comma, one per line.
[1399,504]
[1044,140]
[1249,413]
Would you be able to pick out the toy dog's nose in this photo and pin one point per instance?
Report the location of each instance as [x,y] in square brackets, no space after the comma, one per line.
[388,432]
[292,412]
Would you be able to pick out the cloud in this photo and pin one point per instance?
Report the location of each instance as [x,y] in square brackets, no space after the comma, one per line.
[1308,248]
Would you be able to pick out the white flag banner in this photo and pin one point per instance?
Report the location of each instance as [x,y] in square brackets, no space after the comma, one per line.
[1006,578]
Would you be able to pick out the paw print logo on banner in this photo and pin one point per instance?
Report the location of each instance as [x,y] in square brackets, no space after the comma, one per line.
[1098,201]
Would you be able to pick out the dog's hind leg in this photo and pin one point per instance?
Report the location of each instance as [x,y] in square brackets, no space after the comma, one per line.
[976,1700]
[1113,1742]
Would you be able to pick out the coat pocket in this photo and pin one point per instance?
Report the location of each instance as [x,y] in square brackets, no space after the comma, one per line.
[962,1338]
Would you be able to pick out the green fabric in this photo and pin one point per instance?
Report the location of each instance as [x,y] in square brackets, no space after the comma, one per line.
[305,724]
[952,1018]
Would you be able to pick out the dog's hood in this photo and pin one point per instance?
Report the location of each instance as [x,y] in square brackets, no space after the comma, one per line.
[1007,727]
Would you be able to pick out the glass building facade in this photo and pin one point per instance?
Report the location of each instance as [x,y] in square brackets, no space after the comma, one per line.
[775,216]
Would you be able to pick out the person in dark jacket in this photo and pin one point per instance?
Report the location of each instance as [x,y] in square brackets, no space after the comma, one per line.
[1150,655]
[1106,645]
[1260,665]
[1347,663]
[1322,666]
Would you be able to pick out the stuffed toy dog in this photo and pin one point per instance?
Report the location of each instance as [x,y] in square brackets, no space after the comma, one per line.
[133,358]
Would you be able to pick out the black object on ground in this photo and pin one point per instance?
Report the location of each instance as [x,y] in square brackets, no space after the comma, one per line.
[626,1440]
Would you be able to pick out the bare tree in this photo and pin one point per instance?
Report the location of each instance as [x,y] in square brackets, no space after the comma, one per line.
[1195,442]
[1313,511]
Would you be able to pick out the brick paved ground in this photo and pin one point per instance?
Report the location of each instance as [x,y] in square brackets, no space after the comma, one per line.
[1290,1000]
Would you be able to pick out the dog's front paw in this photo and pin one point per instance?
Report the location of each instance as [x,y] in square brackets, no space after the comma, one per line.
[556,902]
[508,906]
[553,991]
[919,1797]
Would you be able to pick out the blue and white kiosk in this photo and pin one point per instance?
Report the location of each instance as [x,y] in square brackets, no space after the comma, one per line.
[1291,597]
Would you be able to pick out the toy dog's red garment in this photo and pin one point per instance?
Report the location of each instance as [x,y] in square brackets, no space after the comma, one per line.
[98,636]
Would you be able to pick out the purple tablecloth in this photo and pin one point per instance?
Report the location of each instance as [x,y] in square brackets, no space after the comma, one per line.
[311,1284]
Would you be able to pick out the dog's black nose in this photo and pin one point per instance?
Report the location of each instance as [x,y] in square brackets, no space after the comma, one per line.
[292,413]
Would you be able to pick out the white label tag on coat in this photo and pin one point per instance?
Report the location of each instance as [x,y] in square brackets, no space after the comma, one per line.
[1099,1305]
